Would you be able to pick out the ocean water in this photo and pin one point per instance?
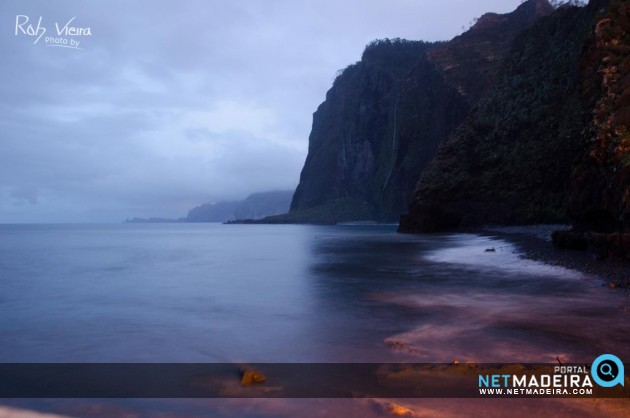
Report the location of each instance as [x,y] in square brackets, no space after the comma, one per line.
[196,293]
[292,293]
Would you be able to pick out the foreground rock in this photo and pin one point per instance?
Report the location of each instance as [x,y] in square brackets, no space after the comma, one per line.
[251,376]
[600,245]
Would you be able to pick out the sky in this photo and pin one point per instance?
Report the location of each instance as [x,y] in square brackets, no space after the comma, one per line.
[164,105]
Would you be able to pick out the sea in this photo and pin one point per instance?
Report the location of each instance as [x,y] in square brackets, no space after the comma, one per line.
[214,293]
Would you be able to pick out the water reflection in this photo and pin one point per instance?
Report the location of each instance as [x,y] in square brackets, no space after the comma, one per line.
[467,303]
[214,293]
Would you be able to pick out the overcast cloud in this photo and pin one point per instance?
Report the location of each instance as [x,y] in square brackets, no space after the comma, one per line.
[170,104]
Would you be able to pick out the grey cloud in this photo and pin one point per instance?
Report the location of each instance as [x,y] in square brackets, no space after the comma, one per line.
[173,103]
[25,195]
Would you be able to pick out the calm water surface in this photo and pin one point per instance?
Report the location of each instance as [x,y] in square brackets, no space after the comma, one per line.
[197,293]
[282,293]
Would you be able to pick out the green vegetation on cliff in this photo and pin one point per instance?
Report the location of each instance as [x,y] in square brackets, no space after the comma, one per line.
[599,198]
[522,119]
[511,160]
[385,116]
[381,122]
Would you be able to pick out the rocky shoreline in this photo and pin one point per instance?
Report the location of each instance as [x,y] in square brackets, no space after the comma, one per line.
[536,244]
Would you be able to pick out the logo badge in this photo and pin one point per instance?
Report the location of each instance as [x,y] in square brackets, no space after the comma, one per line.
[607,371]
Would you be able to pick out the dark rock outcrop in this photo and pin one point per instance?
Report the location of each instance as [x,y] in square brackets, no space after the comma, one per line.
[380,124]
[511,161]
[600,245]
[599,197]
[471,61]
[251,376]
[614,245]
[385,116]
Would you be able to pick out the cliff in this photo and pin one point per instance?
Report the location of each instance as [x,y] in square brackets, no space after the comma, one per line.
[599,193]
[255,206]
[385,116]
[471,61]
[513,160]
[381,122]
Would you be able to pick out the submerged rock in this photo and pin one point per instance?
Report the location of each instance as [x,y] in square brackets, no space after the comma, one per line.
[393,409]
[251,376]
[397,410]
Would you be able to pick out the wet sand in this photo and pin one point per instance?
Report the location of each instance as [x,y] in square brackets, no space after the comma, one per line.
[499,323]
[548,311]
[535,243]
[312,408]
[6,412]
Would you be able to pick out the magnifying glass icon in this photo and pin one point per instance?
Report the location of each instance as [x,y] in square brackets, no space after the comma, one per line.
[606,369]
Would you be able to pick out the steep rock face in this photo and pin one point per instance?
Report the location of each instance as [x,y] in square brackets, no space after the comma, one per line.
[381,122]
[511,161]
[385,116]
[599,194]
[471,61]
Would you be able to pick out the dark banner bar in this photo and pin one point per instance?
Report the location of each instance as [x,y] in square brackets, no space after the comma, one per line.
[300,380]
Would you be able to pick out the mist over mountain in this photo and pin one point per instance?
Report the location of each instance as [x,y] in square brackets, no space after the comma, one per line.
[255,206]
